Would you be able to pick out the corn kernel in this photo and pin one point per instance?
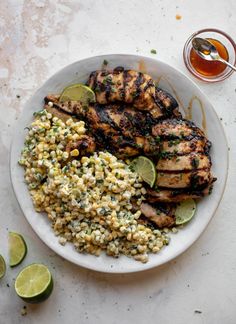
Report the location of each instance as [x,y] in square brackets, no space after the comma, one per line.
[74,152]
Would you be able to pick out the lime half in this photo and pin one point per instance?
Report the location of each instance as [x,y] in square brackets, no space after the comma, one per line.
[185,211]
[17,249]
[145,168]
[34,283]
[2,267]
[78,92]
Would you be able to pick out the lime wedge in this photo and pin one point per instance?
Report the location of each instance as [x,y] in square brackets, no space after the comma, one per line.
[78,92]
[2,267]
[185,211]
[17,249]
[145,168]
[34,283]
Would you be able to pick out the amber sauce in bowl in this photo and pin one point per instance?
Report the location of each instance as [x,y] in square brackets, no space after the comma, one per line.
[210,71]
[209,68]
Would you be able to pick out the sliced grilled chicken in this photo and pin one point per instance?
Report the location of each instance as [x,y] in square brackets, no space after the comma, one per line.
[191,161]
[174,195]
[134,88]
[177,128]
[193,179]
[184,155]
[73,108]
[182,147]
[161,215]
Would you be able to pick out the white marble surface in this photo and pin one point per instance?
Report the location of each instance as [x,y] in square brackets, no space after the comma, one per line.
[39,37]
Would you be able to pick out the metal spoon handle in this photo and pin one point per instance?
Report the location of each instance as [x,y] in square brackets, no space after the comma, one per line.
[227,63]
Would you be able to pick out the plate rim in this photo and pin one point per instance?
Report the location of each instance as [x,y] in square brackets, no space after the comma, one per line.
[142,267]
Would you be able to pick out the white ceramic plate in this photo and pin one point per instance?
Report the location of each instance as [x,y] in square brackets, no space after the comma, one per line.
[181,87]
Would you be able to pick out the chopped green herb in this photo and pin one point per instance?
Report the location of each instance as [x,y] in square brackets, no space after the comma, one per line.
[134,94]
[195,162]
[104,211]
[157,139]
[39,113]
[120,140]
[99,181]
[131,167]
[65,168]
[105,62]
[210,190]
[173,142]
[153,51]
[197,311]
[82,205]
[107,80]
[97,89]
[156,188]
[138,146]
[165,155]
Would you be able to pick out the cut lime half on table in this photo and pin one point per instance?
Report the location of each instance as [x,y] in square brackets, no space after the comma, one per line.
[17,248]
[145,168]
[34,283]
[78,92]
[185,211]
[2,267]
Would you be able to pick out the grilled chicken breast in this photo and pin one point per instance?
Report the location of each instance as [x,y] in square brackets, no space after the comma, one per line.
[162,215]
[134,88]
[118,128]
[184,160]
[122,129]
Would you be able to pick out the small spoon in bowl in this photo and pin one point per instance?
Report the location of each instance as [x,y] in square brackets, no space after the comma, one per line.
[207,51]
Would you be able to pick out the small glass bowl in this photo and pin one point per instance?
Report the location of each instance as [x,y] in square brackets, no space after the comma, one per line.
[219,35]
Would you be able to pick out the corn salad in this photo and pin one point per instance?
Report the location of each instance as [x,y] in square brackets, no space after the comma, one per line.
[87,199]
